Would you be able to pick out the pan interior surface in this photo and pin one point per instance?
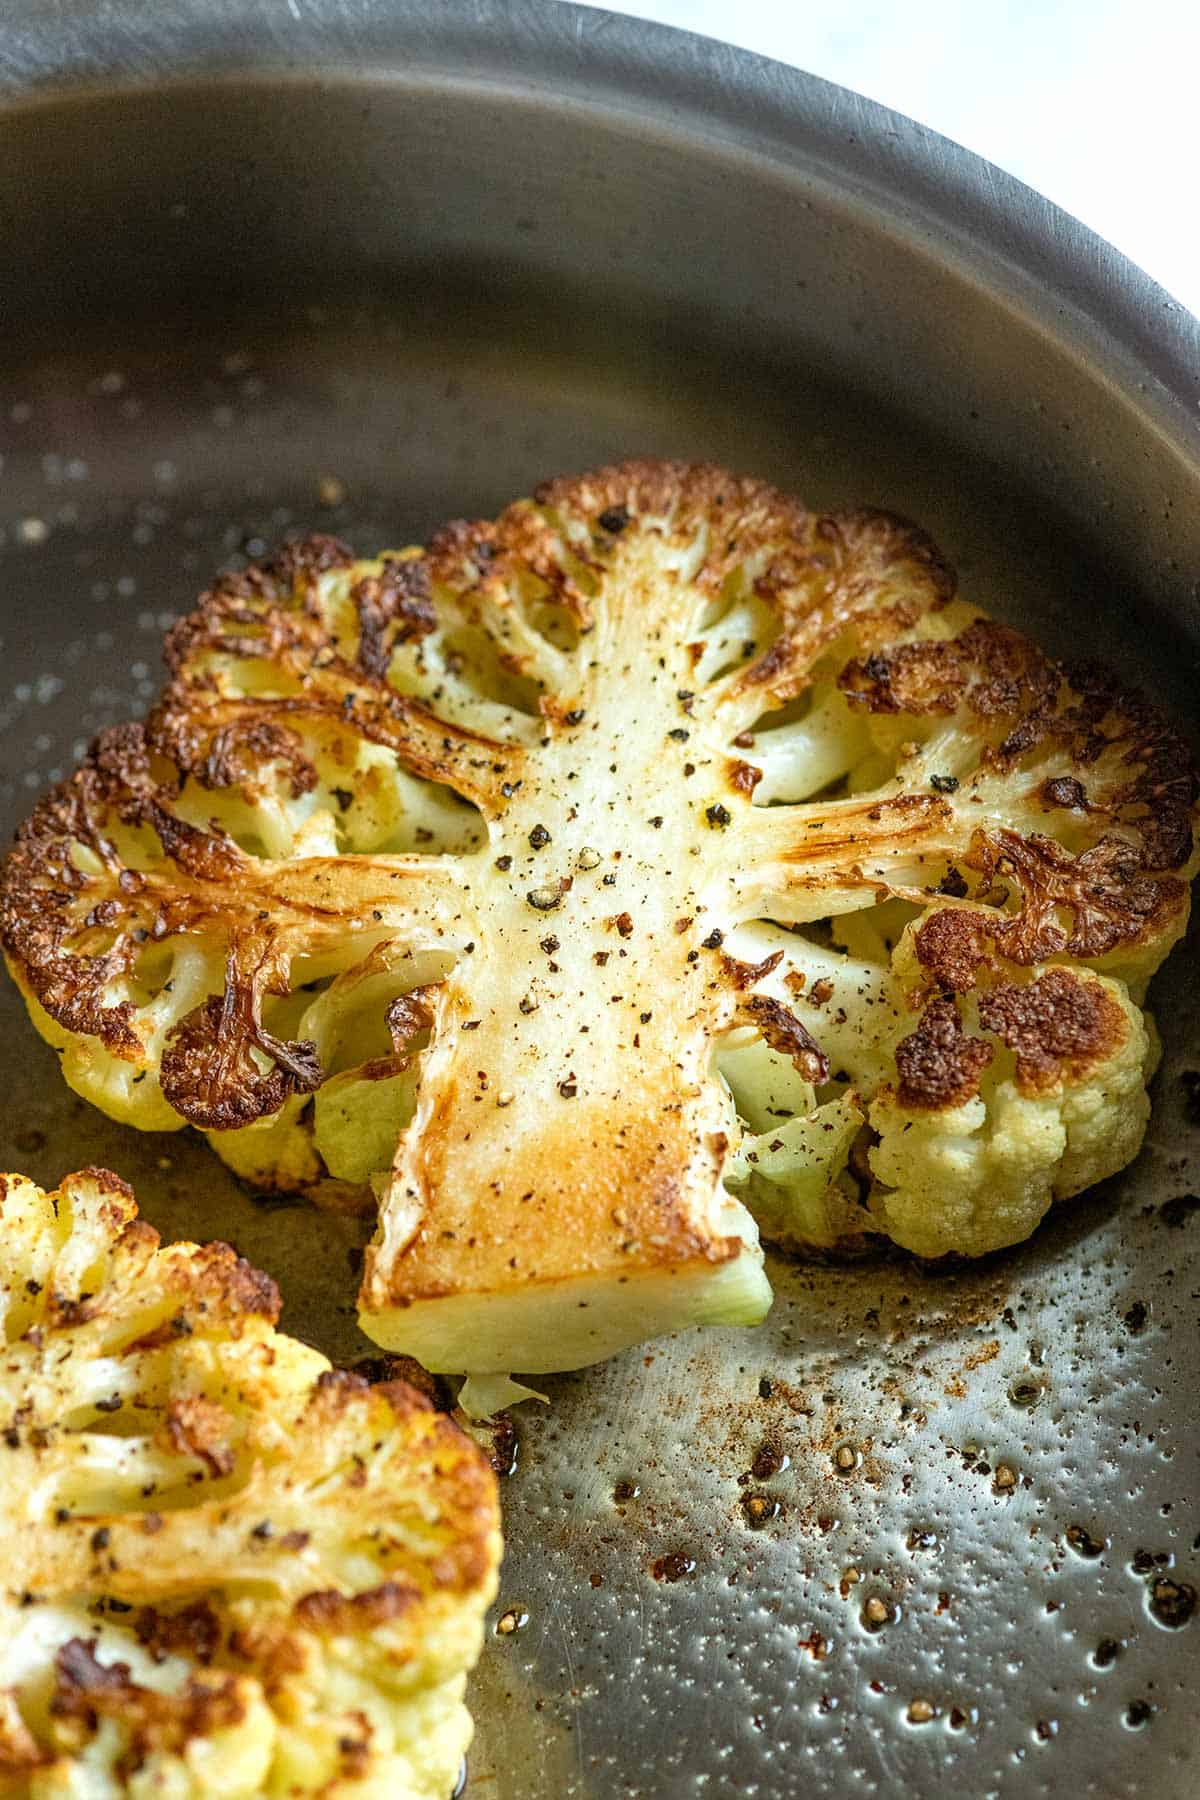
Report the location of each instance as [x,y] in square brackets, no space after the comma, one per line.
[924,1524]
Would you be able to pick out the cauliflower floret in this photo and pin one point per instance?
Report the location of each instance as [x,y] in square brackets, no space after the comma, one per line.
[228,1569]
[970,1112]
[424,883]
[978,1137]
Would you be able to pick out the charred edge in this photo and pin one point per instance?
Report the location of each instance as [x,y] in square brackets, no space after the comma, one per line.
[393,608]
[408,1015]
[331,1614]
[744,778]
[287,577]
[1055,1024]
[743,975]
[991,668]
[194,1631]
[783,1031]
[1110,897]
[208,1072]
[952,945]
[939,1064]
[87,1690]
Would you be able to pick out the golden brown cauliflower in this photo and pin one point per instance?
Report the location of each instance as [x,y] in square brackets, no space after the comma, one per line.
[658,843]
[227,1569]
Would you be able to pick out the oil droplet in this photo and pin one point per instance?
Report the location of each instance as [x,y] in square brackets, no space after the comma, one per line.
[1135,1319]
[878,1612]
[921,1712]
[846,1458]
[1045,1730]
[1138,1714]
[515,1619]
[1106,1652]
[760,1509]
[1083,1543]
[1171,1603]
[626,1491]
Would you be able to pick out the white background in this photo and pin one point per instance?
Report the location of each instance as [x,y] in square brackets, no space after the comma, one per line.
[1095,102]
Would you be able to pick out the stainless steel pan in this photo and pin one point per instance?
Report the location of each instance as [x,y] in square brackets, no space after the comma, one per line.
[360,265]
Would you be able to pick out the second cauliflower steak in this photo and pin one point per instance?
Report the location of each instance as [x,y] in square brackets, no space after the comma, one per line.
[658,844]
[227,1569]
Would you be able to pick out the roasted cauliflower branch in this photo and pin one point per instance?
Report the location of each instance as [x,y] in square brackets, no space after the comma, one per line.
[230,1570]
[658,847]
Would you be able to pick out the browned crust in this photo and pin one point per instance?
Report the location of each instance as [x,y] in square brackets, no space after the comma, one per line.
[783,1031]
[1059,1026]
[1106,891]
[1103,893]
[208,1072]
[392,608]
[1028,703]
[194,1631]
[990,668]
[939,1064]
[164,1723]
[952,945]
[195,1426]
[331,1614]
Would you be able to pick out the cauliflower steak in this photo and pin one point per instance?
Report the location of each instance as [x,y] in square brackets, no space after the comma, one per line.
[657,855]
[228,1570]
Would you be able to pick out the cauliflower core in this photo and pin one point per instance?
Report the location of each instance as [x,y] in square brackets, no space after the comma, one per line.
[658,844]
[228,1570]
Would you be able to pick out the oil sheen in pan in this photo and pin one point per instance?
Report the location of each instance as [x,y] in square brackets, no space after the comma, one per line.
[921,1520]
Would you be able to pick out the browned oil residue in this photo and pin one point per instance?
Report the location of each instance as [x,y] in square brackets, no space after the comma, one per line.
[760,1509]
[1172,1603]
[1083,1543]
[878,1612]
[769,1460]
[505,1445]
[675,1567]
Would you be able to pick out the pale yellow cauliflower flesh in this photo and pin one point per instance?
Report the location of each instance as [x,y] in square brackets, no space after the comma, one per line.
[225,1569]
[654,863]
